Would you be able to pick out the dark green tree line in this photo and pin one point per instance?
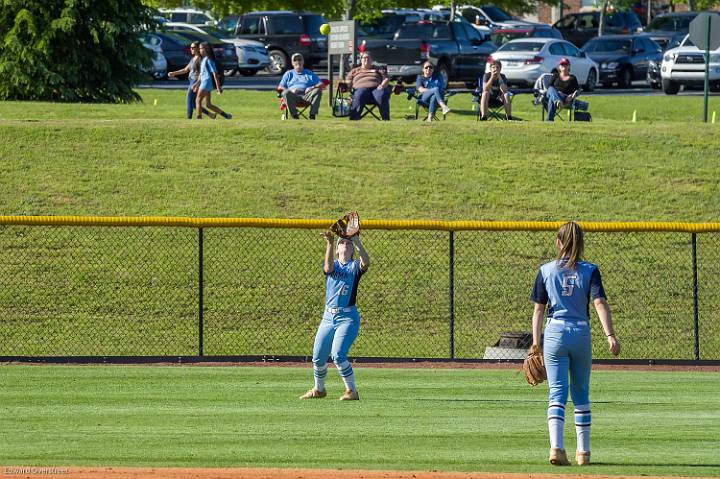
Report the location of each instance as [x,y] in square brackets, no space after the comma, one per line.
[72,50]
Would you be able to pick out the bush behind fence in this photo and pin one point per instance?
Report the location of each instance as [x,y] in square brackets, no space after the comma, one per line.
[72,289]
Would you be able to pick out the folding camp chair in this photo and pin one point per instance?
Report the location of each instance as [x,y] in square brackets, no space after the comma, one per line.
[414,94]
[568,108]
[302,106]
[342,101]
[496,107]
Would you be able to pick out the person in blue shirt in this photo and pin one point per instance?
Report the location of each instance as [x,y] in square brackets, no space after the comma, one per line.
[432,91]
[566,285]
[341,321]
[209,74]
[192,70]
[301,84]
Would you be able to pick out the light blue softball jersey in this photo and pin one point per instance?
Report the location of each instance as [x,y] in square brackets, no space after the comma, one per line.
[341,285]
[568,291]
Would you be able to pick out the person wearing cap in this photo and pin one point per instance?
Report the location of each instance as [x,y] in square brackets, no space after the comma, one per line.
[369,83]
[495,90]
[300,84]
[562,89]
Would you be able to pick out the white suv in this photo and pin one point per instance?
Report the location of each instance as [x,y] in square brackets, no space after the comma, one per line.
[685,66]
[188,15]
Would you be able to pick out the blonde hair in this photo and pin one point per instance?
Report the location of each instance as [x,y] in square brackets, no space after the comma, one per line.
[572,244]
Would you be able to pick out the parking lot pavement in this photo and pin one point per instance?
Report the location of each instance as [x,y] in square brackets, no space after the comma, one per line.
[265,82]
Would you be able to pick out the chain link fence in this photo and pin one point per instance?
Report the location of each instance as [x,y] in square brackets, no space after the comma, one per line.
[170,291]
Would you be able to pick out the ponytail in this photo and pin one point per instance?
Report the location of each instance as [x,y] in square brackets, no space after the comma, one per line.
[572,244]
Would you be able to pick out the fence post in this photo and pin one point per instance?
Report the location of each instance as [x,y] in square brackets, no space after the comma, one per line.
[452,295]
[695,297]
[200,292]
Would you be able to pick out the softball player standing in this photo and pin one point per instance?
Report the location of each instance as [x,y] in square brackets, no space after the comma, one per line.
[568,284]
[341,320]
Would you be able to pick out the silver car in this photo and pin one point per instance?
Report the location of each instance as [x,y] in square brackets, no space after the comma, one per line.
[524,60]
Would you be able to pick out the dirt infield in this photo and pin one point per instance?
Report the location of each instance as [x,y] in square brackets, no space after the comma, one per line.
[243,473]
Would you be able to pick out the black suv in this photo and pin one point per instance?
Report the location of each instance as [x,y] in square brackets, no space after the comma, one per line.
[578,28]
[284,33]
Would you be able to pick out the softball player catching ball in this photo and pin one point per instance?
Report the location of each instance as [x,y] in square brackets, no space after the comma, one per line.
[568,284]
[341,320]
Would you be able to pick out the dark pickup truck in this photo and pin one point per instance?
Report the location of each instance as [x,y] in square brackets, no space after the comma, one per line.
[457,49]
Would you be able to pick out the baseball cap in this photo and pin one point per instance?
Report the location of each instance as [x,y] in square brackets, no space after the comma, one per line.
[564,61]
[297,56]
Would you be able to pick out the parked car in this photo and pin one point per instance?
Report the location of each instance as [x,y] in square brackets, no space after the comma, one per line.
[503,35]
[414,16]
[524,60]
[159,68]
[252,55]
[225,55]
[285,33]
[669,30]
[488,18]
[578,28]
[188,15]
[456,48]
[176,48]
[382,27]
[685,66]
[622,58]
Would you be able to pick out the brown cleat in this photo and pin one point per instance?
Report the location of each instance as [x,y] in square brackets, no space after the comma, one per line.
[558,457]
[349,395]
[582,458]
[314,394]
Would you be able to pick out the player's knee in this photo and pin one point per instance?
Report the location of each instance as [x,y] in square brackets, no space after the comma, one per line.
[339,358]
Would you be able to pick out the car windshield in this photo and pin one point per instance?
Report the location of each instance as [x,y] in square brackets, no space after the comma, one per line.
[670,24]
[228,23]
[608,46]
[522,47]
[500,38]
[386,25]
[496,14]
[687,42]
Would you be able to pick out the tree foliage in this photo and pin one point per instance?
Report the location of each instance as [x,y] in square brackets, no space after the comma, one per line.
[72,50]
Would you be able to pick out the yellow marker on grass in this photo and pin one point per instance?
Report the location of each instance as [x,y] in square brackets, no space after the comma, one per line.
[155,102]
[713,117]
[634,118]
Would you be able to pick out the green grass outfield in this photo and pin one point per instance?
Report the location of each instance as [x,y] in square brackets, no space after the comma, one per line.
[644,423]
[143,159]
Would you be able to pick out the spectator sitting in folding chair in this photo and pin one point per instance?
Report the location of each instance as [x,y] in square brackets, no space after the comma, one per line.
[495,92]
[299,86]
[369,84]
[431,91]
[562,89]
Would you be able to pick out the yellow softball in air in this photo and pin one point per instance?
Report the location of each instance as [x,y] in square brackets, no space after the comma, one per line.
[325,29]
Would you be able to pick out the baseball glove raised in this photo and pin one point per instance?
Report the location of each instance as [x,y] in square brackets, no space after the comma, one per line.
[534,366]
[347,226]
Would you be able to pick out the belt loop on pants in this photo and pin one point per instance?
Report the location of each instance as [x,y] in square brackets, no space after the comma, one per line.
[567,323]
[339,310]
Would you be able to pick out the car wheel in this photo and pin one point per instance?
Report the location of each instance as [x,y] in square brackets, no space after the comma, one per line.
[231,73]
[278,62]
[247,73]
[670,87]
[655,85]
[591,80]
[714,87]
[625,78]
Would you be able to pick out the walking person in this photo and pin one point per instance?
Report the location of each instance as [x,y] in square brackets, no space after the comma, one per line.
[431,87]
[568,284]
[192,70]
[341,320]
[204,84]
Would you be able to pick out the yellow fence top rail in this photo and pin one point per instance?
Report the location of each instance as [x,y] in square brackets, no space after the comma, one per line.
[169,221]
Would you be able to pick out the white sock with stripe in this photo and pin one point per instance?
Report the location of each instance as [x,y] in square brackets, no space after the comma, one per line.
[346,372]
[556,423]
[582,427]
[320,374]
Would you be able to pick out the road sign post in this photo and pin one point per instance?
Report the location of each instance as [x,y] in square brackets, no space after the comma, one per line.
[705,34]
[342,40]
